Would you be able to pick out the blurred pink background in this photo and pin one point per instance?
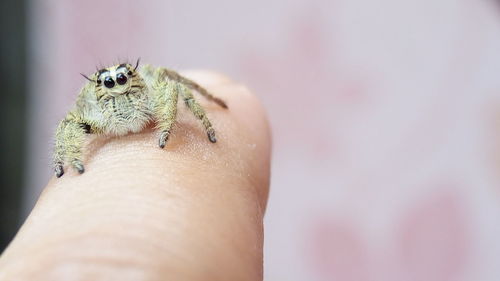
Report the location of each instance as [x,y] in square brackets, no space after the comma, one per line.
[385,115]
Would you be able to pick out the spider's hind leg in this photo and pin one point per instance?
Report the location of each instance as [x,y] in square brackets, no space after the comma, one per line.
[198,111]
[172,75]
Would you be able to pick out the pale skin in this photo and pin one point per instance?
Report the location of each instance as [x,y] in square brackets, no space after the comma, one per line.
[192,211]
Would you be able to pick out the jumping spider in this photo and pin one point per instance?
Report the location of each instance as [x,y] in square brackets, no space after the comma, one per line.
[122,99]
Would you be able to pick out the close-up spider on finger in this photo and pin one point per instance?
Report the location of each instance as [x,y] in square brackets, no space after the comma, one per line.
[121,99]
[304,140]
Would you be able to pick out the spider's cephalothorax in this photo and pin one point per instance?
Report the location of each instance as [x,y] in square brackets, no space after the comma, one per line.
[122,99]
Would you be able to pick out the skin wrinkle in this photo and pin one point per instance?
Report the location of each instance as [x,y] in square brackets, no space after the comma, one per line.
[133,230]
[104,229]
[125,252]
[125,261]
[115,215]
[192,211]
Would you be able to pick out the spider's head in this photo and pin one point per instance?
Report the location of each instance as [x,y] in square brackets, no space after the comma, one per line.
[115,80]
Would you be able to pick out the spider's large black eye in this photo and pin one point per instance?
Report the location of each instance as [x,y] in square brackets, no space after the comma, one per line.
[121,78]
[108,82]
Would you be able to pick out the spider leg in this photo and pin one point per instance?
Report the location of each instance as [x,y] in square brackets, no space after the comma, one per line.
[172,75]
[70,138]
[198,111]
[165,107]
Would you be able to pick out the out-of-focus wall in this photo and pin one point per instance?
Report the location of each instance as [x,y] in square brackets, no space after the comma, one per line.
[385,114]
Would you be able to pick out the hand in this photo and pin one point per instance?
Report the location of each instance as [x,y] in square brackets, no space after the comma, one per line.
[192,211]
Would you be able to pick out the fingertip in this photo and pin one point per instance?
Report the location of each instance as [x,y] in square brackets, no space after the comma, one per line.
[202,201]
[243,127]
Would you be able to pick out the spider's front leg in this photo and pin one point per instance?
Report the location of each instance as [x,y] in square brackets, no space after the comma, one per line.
[70,137]
[165,107]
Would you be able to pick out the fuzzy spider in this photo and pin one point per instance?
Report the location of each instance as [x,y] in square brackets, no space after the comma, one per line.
[122,99]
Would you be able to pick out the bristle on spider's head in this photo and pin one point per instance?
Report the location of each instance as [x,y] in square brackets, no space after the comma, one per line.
[86,77]
[137,64]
